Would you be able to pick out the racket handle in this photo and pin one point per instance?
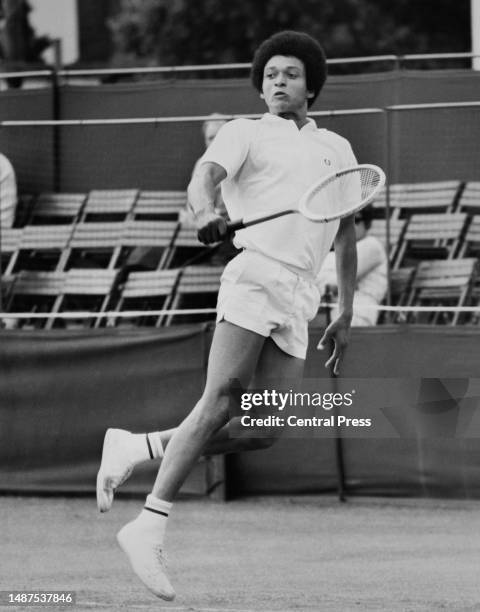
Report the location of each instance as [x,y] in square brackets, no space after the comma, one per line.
[233,226]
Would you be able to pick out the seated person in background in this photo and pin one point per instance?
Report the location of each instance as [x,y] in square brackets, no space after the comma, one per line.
[371,286]
[8,193]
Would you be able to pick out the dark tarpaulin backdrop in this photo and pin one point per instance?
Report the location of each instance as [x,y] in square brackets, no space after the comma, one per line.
[60,390]
[162,156]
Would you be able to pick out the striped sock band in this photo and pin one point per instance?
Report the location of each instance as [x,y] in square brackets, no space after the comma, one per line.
[157,506]
[155,446]
[150,451]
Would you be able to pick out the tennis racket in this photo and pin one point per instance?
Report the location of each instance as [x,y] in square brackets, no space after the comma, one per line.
[334,196]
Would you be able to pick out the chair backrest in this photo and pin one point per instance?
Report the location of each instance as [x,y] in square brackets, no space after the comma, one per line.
[187,237]
[45,237]
[110,202]
[149,284]
[160,204]
[435,226]
[472,234]
[397,227]
[57,206]
[400,283]
[200,279]
[408,198]
[39,283]
[97,235]
[89,281]
[10,239]
[470,198]
[148,233]
[446,274]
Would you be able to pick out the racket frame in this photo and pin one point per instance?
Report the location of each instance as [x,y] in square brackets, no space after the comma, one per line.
[302,209]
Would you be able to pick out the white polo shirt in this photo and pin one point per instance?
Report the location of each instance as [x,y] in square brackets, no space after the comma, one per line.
[270,164]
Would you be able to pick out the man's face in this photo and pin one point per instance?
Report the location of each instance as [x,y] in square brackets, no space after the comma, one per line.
[284,85]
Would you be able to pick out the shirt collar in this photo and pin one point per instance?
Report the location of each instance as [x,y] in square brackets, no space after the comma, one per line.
[310,125]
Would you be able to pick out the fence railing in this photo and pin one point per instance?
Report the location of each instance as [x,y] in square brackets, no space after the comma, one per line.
[389,62]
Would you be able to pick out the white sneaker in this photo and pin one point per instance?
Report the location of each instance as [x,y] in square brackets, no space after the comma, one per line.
[115,468]
[147,559]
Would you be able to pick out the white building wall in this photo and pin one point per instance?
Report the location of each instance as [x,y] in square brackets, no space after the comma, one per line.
[57,19]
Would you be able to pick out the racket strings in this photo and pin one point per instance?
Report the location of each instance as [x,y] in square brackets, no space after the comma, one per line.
[348,190]
[369,181]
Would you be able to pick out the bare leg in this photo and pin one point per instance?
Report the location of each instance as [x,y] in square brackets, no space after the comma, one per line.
[234,437]
[234,355]
[228,360]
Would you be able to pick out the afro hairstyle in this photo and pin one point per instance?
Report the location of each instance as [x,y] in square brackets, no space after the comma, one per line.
[294,44]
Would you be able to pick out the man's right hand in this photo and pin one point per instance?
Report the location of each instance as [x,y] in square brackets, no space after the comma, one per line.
[211,228]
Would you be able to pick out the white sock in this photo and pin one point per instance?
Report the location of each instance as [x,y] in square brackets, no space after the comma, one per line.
[138,450]
[154,442]
[154,517]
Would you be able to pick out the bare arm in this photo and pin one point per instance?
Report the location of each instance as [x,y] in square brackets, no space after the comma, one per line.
[346,263]
[201,199]
[202,189]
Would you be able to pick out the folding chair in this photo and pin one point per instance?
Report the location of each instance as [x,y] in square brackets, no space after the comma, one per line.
[88,290]
[25,205]
[143,237]
[41,247]
[400,285]
[185,246]
[147,291]
[61,208]
[159,205]
[416,198]
[442,282]
[471,242]
[470,199]
[378,229]
[95,245]
[6,286]
[36,291]
[197,287]
[109,205]
[10,239]
[379,205]
[431,236]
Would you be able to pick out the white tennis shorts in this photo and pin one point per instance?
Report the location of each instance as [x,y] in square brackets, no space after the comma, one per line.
[262,295]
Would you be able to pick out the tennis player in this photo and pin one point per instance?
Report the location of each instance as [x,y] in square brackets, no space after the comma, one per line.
[267,294]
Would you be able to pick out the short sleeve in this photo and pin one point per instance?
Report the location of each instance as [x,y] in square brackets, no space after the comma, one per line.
[230,146]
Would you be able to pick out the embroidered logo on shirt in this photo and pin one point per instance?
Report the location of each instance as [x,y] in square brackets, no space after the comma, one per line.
[327,162]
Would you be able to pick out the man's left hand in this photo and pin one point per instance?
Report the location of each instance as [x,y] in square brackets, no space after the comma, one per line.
[336,334]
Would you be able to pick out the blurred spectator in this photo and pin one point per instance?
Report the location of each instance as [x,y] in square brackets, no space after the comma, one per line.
[372,281]
[8,193]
